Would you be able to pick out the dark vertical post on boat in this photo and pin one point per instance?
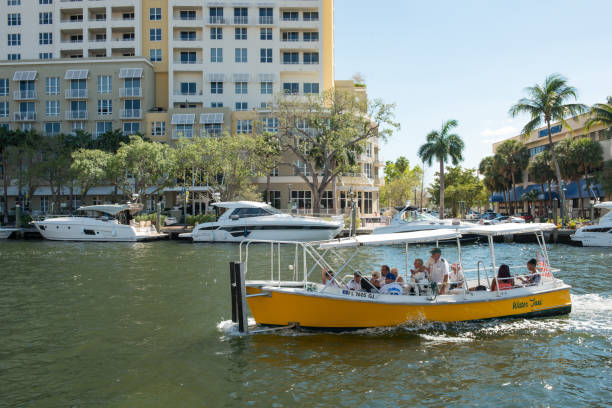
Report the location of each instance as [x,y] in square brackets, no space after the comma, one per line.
[233,291]
[238,292]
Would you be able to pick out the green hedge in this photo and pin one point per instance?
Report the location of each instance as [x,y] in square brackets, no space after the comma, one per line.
[199,219]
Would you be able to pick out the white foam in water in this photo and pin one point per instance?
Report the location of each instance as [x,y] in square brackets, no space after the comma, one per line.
[230,328]
[446,339]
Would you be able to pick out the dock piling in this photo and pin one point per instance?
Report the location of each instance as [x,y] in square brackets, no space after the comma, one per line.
[238,294]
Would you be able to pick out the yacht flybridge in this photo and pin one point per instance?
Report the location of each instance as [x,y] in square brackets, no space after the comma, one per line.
[409,219]
[599,234]
[242,220]
[295,296]
[107,222]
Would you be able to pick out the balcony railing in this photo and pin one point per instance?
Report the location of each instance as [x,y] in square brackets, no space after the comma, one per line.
[24,94]
[130,92]
[240,20]
[76,115]
[179,38]
[187,61]
[25,116]
[266,20]
[178,133]
[216,20]
[131,114]
[124,39]
[76,93]
[210,132]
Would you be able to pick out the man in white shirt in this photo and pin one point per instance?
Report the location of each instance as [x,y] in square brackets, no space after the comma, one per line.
[391,287]
[355,283]
[438,267]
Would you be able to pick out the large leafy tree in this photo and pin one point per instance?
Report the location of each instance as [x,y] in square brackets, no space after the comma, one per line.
[325,133]
[89,168]
[462,185]
[442,145]
[514,157]
[548,103]
[269,154]
[401,182]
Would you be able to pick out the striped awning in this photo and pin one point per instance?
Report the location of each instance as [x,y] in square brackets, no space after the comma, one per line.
[24,75]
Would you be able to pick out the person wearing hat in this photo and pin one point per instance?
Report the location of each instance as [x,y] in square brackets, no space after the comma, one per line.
[438,267]
[355,283]
[391,287]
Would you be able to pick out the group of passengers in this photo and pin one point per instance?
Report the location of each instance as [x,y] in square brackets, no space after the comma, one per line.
[436,274]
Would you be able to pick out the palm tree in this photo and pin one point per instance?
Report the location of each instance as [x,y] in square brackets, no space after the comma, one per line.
[441,145]
[531,196]
[514,158]
[540,171]
[8,139]
[492,178]
[588,155]
[601,114]
[546,103]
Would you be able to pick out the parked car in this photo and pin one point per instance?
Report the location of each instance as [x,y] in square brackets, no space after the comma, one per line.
[489,216]
[472,215]
[526,216]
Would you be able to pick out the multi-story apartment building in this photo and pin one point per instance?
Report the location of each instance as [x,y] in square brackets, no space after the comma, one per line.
[538,142]
[172,69]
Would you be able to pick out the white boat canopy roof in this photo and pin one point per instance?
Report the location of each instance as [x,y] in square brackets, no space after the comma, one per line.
[508,229]
[112,209]
[240,204]
[414,237]
[606,204]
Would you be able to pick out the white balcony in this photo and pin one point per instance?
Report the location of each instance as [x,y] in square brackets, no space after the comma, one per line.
[187,22]
[178,133]
[240,20]
[76,115]
[24,94]
[24,116]
[76,93]
[123,40]
[131,114]
[298,23]
[265,20]
[130,92]
[216,20]
[299,45]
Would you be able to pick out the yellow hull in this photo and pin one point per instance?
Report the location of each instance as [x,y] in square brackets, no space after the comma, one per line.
[284,307]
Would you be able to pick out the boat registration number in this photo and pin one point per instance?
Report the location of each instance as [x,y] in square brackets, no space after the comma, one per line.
[359,294]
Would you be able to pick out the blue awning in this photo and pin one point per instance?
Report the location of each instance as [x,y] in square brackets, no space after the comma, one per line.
[496,198]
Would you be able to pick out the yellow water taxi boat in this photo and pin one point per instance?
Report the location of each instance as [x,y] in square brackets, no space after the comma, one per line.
[302,301]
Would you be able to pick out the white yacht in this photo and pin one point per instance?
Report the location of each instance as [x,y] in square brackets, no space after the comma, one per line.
[240,220]
[6,232]
[409,219]
[107,222]
[599,234]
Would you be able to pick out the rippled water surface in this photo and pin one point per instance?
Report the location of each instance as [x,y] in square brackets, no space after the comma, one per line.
[125,325]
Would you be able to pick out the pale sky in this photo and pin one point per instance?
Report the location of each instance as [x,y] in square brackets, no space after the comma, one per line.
[470,61]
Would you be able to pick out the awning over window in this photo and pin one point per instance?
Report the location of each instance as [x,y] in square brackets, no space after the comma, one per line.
[241,77]
[266,77]
[216,77]
[76,74]
[208,118]
[183,119]
[130,73]
[24,75]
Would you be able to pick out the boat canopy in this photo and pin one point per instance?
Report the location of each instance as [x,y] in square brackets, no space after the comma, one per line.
[508,229]
[112,209]
[414,237]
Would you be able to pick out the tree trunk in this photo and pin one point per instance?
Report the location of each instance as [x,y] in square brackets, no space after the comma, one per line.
[316,202]
[516,200]
[441,215]
[560,192]
[580,198]
[550,200]
[268,188]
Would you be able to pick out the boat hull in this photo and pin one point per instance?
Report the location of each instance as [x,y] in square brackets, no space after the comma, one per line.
[597,239]
[284,307]
[6,232]
[285,234]
[92,231]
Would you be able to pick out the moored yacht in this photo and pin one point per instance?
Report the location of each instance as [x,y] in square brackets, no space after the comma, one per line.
[241,220]
[107,222]
[409,220]
[599,234]
[6,232]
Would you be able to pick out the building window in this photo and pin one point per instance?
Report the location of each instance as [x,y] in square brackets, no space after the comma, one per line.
[244,126]
[155,55]
[265,55]
[368,150]
[14,19]
[105,84]
[14,57]
[103,127]
[14,2]
[266,88]
[4,109]
[241,106]
[45,1]
[310,16]
[45,38]
[158,129]
[291,16]
[291,88]
[216,104]
[53,128]
[275,198]
[183,130]
[155,34]
[266,15]
[367,202]
[216,33]
[188,57]
[291,36]
[189,15]
[311,87]
[4,86]
[301,167]
[52,108]
[536,150]
[45,55]
[302,199]
[188,88]
[216,15]
[44,204]
[155,13]
[327,200]
[131,128]
[216,88]
[240,55]
[265,34]
[52,85]
[14,40]
[241,88]
[213,129]
[241,15]
[270,125]
[367,170]
[187,36]
[311,36]
[311,58]
[240,33]
[105,107]
[291,58]
[216,55]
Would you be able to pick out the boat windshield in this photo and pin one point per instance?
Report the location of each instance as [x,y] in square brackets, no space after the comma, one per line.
[413,216]
[255,211]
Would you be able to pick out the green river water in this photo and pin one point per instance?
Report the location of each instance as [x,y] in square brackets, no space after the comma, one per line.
[146,325]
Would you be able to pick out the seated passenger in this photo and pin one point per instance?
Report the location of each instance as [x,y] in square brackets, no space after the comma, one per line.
[456,276]
[419,272]
[328,275]
[505,279]
[395,271]
[355,283]
[391,287]
[376,281]
[384,270]
[534,276]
